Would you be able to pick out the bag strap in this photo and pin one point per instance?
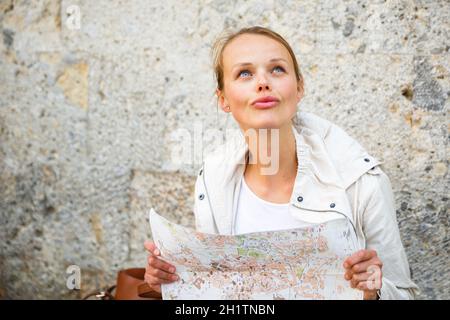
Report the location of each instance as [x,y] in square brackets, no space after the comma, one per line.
[101,295]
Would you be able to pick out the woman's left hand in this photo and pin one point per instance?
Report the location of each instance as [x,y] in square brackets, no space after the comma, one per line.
[363,270]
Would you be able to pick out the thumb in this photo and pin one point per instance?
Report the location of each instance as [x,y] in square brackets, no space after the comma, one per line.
[149,245]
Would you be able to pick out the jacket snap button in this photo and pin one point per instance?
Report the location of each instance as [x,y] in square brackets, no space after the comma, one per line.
[332,205]
[300,199]
[201,197]
[366,159]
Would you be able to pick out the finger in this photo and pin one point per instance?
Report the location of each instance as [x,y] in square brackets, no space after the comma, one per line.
[363,276]
[348,274]
[363,286]
[364,265]
[148,245]
[355,270]
[359,277]
[353,282]
[358,256]
[158,263]
[158,273]
[163,275]
[151,247]
[154,281]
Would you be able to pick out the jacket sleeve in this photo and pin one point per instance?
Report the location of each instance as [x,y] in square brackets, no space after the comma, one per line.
[196,203]
[381,232]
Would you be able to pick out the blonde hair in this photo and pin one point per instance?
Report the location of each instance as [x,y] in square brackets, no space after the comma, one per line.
[223,40]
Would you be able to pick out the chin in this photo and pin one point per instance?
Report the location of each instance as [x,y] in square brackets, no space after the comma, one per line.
[267,124]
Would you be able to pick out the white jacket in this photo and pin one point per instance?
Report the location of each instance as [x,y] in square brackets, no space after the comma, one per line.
[335,174]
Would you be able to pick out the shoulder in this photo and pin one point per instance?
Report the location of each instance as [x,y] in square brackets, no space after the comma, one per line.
[349,157]
[375,194]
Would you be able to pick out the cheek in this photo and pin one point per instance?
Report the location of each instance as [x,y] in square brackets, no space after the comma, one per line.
[237,95]
[288,89]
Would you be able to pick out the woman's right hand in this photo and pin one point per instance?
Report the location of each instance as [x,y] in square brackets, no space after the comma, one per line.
[157,270]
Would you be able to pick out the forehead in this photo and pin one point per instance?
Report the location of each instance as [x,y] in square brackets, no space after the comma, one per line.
[253,48]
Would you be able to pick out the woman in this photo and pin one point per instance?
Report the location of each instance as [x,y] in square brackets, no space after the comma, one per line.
[320,172]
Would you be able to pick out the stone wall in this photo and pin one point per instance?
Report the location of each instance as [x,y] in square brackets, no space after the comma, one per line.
[88,111]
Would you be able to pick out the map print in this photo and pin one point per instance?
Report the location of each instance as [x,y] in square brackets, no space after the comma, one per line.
[302,263]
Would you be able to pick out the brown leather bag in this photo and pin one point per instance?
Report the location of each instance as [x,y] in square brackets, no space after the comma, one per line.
[130,286]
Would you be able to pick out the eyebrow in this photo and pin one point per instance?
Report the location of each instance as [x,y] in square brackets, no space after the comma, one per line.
[249,63]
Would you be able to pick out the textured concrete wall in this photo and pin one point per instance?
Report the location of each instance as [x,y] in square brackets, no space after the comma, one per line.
[87,116]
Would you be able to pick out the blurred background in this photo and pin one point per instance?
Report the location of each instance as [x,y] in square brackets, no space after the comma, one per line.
[92,92]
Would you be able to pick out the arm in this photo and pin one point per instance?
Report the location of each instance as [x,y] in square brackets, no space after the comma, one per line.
[382,236]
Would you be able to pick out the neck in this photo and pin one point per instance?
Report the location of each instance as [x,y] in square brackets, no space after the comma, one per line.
[272,157]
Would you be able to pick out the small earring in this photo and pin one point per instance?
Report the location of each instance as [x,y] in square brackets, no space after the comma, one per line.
[227,108]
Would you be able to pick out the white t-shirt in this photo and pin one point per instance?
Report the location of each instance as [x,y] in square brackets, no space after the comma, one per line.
[255,214]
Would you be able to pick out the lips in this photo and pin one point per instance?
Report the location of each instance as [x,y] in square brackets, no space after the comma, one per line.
[265,102]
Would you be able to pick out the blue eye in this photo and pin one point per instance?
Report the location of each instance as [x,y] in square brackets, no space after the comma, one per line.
[243,71]
[246,71]
[279,68]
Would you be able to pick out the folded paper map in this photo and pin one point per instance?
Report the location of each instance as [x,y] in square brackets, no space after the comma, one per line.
[301,263]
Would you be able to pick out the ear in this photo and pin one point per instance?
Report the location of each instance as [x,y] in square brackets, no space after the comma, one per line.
[222,100]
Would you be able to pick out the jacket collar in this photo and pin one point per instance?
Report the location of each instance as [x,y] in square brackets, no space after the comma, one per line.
[329,161]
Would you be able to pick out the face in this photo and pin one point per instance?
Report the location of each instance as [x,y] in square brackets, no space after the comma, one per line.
[268,71]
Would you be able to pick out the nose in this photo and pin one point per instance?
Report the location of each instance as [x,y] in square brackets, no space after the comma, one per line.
[263,84]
